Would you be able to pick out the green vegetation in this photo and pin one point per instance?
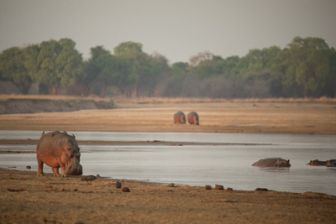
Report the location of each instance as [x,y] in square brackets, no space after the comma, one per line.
[306,67]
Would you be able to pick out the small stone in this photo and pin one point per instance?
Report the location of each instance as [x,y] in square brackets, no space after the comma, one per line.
[15,189]
[261,189]
[79,222]
[125,189]
[208,187]
[118,184]
[219,187]
[171,185]
[229,189]
[88,178]
[28,167]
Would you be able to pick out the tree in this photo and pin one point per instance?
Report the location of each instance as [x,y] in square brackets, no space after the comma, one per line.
[144,70]
[59,64]
[100,70]
[12,68]
[308,65]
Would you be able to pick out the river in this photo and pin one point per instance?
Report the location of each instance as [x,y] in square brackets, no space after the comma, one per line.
[228,164]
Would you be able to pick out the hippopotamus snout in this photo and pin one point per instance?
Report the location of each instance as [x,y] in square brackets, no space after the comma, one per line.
[74,169]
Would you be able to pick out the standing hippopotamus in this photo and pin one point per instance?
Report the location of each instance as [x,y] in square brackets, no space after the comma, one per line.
[179,118]
[58,149]
[272,162]
[193,118]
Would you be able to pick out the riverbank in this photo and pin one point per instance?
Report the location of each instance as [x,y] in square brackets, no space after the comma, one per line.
[26,198]
[156,115]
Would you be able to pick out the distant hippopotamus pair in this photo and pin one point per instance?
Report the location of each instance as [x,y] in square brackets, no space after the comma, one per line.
[180,118]
[58,150]
[272,162]
[327,163]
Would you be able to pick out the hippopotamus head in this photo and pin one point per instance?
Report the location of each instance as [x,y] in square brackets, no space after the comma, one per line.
[282,163]
[72,157]
[73,168]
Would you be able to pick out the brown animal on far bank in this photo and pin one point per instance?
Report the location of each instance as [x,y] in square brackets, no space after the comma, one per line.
[179,118]
[58,149]
[193,118]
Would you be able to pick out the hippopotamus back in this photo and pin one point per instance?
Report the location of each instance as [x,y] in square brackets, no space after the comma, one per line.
[317,162]
[331,163]
[272,162]
[58,149]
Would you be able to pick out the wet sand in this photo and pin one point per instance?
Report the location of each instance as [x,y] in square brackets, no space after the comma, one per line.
[26,198]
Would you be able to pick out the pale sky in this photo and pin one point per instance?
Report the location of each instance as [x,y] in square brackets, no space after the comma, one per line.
[177,29]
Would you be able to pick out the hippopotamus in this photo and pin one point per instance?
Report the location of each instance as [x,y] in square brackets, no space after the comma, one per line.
[331,163]
[179,118]
[327,163]
[193,118]
[58,149]
[272,162]
[317,162]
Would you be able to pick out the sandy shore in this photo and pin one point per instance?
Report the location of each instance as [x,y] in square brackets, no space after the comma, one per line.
[26,198]
[254,116]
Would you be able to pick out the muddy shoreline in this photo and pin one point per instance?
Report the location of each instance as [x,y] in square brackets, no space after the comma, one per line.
[26,198]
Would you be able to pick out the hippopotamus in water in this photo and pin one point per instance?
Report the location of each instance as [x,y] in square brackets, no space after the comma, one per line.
[331,163]
[179,118]
[327,163]
[58,149]
[193,118]
[317,162]
[272,162]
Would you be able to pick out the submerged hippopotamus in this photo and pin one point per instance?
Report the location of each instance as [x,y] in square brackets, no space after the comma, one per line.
[331,163]
[179,118]
[58,149]
[317,162]
[193,118]
[272,162]
[327,163]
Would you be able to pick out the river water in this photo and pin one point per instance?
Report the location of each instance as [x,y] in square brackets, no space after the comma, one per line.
[228,164]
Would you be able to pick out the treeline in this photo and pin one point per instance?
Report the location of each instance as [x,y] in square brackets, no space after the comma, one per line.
[306,67]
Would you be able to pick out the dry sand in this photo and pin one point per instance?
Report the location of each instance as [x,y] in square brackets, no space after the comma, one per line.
[26,198]
[258,116]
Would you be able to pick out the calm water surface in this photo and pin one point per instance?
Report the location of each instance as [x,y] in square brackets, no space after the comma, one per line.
[229,165]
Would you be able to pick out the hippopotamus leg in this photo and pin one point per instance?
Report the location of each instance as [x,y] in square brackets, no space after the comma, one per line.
[55,171]
[39,168]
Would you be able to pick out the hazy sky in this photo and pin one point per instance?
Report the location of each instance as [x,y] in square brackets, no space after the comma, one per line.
[177,29]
